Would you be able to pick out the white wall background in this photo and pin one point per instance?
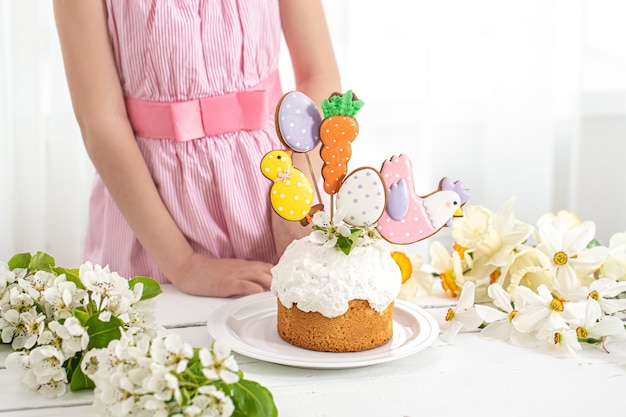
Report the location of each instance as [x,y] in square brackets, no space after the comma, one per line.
[516,98]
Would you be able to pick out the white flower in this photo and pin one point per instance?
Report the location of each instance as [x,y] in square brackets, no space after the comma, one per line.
[604,291]
[419,283]
[571,261]
[330,230]
[594,324]
[104,282]
[615,264]
[51,388]
[567,219]
[40,370]
[494,236]
[7,277]
[213,402]
[160,383]
[19,301]
[541,312]
[37,283]
[463,315]
[73,335]
[171,352]
[62,297]
[448,266]
[46,363]
[142,317]
[499,321]
[99,364]
[563,342]
[530,268]
[21,329]
[219,363]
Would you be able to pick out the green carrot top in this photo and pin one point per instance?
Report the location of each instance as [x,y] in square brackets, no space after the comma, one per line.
[341,105]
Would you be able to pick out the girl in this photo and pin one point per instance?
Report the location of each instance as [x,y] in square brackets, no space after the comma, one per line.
[175,102]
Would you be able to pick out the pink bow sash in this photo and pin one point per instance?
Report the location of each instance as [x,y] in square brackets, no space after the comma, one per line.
[186,120]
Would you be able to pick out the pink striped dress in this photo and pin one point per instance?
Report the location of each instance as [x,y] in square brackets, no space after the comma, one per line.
[179,50]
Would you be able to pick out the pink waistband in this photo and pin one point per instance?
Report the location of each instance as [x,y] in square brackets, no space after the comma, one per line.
[186,120]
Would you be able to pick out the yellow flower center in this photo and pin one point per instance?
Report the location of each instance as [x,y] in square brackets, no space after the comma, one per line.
[448,282]
[449,314]
[403,261]
[594,294]
[560,258]
[557,338]
[557,304]
[493,277]
[512,315]
[460,250]
[581,332]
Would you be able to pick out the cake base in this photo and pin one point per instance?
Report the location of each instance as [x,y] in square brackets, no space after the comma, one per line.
[360,328]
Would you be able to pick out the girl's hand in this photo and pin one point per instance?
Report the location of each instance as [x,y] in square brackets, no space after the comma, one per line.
[222,277]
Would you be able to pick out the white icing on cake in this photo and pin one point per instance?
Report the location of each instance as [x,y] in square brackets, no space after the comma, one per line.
[324,279]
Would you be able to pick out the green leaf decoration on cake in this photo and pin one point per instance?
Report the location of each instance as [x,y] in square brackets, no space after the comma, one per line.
[341,105]
[339,235]
[347,243]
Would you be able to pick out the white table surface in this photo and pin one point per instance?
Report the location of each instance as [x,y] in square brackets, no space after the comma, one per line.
[471,376]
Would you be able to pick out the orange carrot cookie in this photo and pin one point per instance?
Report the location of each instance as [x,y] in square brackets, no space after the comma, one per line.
[337,131]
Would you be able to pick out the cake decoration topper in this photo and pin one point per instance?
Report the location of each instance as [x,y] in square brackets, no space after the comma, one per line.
[337,131]
[361,197]
[408,217]
[291,194]
[298,122]
[371,204]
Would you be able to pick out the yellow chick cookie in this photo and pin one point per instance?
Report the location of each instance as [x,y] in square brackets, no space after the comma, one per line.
[291,194]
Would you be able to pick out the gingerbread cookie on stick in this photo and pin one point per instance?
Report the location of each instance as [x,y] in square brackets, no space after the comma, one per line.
[337,131]
[291,194]
[297,121]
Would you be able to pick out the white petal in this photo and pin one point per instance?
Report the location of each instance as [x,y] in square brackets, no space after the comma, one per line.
[470,319]
[609,325]
[466,299]
[490,314]
[500,297]
[522,339]
[611,306]
[500,330]
[451,331]
[529,319]
[576,239]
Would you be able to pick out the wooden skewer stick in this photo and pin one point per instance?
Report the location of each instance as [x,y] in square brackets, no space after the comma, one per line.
[317,191]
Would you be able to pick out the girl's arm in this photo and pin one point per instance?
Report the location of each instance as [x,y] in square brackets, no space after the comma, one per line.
[316,75]
[98,103]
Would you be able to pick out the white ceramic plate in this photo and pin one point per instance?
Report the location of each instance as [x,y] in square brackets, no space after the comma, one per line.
[248,325]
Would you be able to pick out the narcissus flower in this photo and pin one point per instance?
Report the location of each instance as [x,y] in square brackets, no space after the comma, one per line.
[567,249]
[463,315]
[500,321]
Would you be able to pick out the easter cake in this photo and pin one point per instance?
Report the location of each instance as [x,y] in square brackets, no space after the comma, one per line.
[331,302]
[336,287]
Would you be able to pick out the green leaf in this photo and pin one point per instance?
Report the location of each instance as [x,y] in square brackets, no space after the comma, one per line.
[79,380]
[589,340]
[101,333]
[151,288]
[71,275]
[594,242]
[21,260]
[346,244]
[81,315]
[252,400]
[41,262]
